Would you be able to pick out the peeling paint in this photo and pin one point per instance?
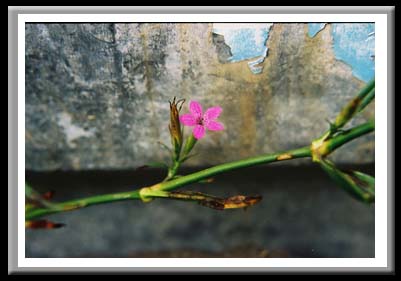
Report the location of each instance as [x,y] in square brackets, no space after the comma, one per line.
[183,61]
[255,65]
[354,44]
[246,41]
[315,28]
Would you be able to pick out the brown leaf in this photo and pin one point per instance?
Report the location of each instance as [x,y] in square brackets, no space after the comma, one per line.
[217,203]
[43,224]
[241,201]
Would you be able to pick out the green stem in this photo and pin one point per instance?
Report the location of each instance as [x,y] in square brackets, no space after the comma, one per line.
[302,152]
[172,171]
[366,90]
[179,159]
[349,135]
[366,100]
[209,172]
[84,202]
[356,105]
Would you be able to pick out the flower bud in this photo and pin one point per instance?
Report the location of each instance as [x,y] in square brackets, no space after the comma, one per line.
[175,126]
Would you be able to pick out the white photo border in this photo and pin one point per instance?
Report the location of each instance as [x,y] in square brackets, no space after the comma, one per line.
[381,236]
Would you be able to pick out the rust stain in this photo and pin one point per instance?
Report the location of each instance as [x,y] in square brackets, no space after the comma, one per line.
[284,156]
[238,72]
[210,34]
[237,81]
[148,72]
[248,127]
[271,60]
[316,48]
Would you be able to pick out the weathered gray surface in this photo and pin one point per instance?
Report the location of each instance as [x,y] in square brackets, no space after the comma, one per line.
[302,214]
[97,94]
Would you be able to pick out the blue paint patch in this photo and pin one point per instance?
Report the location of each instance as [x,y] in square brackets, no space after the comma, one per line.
[247,41]
[314,28]
[354,44]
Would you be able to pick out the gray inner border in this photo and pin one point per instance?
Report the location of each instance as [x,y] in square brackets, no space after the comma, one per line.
[13,12]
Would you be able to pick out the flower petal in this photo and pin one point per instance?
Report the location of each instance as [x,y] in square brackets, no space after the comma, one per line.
[212,113]
[199,131]
[188,120]
[214,126]
[196,109]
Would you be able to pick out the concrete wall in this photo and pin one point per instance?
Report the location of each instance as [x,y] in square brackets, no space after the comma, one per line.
[97,94]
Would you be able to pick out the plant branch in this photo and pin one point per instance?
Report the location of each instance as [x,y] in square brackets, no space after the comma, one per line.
[82,203]
[330,145]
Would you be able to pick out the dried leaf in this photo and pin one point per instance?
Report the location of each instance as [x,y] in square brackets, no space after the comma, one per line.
[217,203]
[43,224]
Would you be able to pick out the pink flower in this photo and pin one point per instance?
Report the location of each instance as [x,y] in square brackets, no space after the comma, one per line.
[202,121]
